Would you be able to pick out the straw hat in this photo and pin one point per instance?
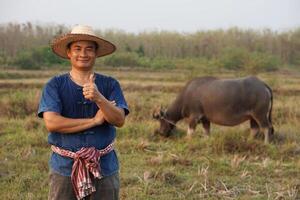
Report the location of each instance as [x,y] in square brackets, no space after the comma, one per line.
[81,32]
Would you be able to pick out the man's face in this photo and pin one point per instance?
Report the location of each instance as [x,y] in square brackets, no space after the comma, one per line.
[82,54]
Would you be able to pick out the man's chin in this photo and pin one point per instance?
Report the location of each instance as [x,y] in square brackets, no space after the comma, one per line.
[84,66]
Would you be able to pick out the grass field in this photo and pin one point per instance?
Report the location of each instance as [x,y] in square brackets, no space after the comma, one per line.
[223,166]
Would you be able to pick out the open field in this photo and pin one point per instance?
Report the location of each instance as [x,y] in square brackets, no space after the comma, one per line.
[223,166]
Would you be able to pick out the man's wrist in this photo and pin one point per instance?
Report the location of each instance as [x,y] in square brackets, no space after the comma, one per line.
[100,100]
[94,121]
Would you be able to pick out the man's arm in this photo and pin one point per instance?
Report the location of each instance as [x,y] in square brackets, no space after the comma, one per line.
[112,114]
[57,123]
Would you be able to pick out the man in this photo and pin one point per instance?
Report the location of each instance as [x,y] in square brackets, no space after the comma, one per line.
[81,109]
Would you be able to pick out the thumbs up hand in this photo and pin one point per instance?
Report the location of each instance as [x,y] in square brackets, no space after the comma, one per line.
[92,79]
[90,90]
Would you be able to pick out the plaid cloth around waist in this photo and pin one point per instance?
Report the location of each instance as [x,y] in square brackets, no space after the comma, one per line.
[86,163]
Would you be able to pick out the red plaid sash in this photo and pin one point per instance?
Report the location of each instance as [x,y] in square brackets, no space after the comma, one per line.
[86,162]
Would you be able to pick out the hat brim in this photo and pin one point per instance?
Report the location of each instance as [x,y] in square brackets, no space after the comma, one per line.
[60,45]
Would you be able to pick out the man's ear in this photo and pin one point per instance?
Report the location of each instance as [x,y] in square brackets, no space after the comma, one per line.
[68,52]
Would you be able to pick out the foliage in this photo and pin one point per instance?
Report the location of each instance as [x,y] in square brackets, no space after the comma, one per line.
[3,58]
[122,59]
[25,61]
[258,61]
[233,58]
[234,48]
[37,58]
[131,59]
[161,63]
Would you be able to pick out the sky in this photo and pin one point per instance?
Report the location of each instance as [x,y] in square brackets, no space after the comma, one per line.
[156,15]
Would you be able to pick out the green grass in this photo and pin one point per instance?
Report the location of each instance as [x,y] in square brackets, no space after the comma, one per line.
[227,165]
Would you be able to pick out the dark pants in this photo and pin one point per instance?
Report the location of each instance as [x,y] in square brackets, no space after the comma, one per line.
[61,188]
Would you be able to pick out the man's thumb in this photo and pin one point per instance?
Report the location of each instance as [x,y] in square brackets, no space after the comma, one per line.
[92,78]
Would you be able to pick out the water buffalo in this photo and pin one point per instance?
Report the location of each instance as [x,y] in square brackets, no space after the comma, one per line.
[227,102]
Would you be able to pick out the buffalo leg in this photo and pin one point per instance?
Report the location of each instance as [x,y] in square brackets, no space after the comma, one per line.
[206,126]
[266,127]
[254,128]
[190,132]
[267,135]
[192,127]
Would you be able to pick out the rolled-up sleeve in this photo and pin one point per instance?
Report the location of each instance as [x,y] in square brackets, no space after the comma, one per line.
[117,95]
[50,99]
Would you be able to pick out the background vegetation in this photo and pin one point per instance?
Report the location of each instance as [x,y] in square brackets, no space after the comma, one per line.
[27,46]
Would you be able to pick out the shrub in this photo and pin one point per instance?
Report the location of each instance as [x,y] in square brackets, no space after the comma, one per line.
[140,51]
[131,59]
[239,58]
[3,58]
[161,63]
[38,57]
[233,58]
[26,61]
[122,59]
[259,61]
[49,58]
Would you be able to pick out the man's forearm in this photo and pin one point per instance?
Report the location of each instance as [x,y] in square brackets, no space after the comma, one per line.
[60,124]
[112,114]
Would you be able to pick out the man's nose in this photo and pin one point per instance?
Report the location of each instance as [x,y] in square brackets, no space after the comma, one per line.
[83,53]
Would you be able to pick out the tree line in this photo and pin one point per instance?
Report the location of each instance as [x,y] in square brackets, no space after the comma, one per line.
[27,45]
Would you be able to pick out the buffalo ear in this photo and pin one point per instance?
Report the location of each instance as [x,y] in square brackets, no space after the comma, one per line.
[156,113]
[159,113]
[163,112]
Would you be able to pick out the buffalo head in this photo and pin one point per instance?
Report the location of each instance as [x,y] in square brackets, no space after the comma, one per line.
[166,126]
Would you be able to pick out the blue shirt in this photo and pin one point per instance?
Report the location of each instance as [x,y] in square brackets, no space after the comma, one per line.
[65,97]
